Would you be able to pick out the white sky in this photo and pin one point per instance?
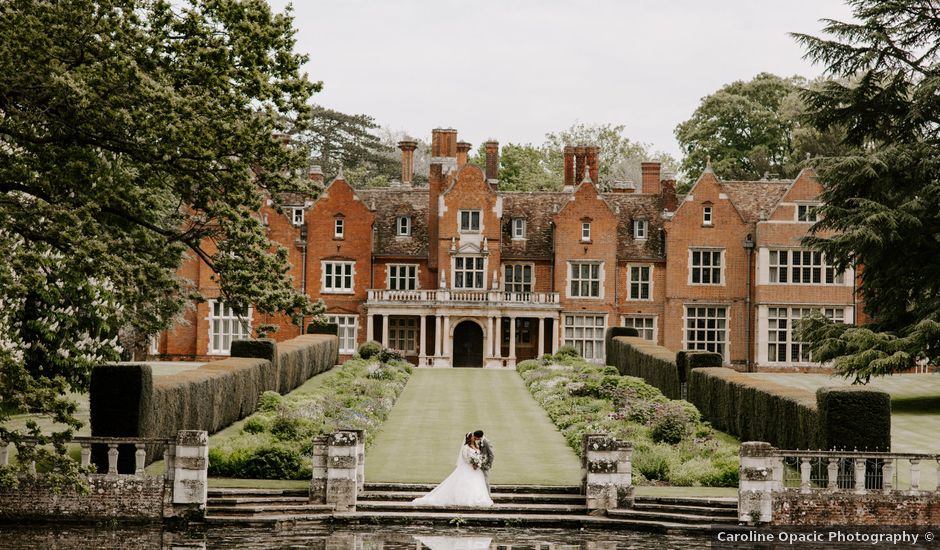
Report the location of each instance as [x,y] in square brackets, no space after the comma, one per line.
[514,70]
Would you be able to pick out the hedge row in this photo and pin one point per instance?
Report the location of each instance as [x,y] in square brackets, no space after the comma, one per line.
[634,356]
[127,401]
[792,418]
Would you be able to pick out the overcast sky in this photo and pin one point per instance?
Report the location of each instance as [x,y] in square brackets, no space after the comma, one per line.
[514,70]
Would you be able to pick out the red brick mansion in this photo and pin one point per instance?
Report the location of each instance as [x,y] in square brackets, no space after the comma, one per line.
[461,273]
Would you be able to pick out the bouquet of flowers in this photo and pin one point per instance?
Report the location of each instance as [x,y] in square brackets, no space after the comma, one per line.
[475,461]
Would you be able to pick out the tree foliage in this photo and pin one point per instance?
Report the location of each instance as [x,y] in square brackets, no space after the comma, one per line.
[338,139]
[134,133]
[883,201]
[752,129]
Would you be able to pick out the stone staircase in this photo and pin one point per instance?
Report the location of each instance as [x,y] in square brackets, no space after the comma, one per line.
[515,506]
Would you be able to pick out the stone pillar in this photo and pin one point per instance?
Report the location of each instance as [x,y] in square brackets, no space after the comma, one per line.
[445,337]
[755,492]
[488,340]
[342,487]
[191,467]
[512,338]
[422,345]
[385,322]
[556,324]
[607,472]
[370,327]
[498,347]
[321,445]
[540,340]
[437,336]
[360,457]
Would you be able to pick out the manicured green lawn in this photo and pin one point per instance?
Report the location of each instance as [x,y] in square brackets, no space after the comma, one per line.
[422,437]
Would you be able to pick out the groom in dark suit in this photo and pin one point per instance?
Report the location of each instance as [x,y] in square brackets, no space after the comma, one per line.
[486,453]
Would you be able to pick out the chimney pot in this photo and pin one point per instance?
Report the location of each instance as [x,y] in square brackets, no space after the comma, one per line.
[463,149]
[580,152]
[315,173]
[650,183]
[407,147]
[569,166]
[592,162]
[492,160]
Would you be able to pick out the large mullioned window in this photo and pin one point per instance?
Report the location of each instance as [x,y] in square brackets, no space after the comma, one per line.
[706,329]
[226,325]
[586,334]
[782,322]
[802,267]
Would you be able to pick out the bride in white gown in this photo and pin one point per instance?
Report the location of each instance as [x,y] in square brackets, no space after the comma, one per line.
[465,486]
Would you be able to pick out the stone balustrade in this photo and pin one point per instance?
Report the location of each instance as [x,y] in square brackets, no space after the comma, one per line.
[458,296]
[606,472]
[787,487]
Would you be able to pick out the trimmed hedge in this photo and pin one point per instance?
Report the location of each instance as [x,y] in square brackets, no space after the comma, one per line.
[127,401]
[323,328]
[634,356]
[614,332]
[855,418]
[688,360]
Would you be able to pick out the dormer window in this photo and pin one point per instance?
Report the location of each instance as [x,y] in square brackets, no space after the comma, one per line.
[297,215]
[339,228]
[806,213]
[469,221]
[403,226]
[707,215]
[640,229]
[586,231]
[518,228]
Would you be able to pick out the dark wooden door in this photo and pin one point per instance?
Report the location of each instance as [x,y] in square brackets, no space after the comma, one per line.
[468,345]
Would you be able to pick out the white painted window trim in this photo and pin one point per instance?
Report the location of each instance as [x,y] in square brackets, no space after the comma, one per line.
[723,260]
[294,215]
[453,271]
[398,267]
[808,205]
[403,221]
[470,230]
[564,324]
[520,224]
[641,230]
[847,275]
[339,227]
[334,318]
[727,329]
[655,319]
[601,276]
[244,324]
[763,322]
[630,282]
[585,232]
[341,290]
[513,264]
[708,215]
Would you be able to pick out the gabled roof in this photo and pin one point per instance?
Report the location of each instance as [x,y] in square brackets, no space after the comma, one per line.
[537,208]
[753,198]
[635,206]
[391,203]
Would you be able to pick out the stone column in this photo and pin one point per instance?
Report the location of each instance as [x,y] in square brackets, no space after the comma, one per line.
[755,492]
[422,345]
[607,472]
[488,340]
[540,340]
[370,327]
[498,347]
[445,337]
[342,486]
[191,466]
[321,445]
[556,328]
[512,338]
[385,322]
[437,336]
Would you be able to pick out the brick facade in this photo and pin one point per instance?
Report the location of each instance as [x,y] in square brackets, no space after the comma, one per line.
[460,272]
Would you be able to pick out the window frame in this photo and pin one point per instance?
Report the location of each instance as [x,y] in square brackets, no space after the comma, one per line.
[570,334]
[590,280]
[794,269]
[511,267]
[324,289]
[703,345]
[342,331]
[464,271]
[339,227]
[393,273]
[403,329]
[711,268]
[519,229]
[470,215]
[293,216]
[403,226]
[653,328]
[640,230]
[708,215]
[226,315]
[789,345]
[648,282]
[810,211]
[585,232]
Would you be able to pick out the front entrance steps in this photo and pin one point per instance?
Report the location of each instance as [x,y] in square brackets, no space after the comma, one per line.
[515,506]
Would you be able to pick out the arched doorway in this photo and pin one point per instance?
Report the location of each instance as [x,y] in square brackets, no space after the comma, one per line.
[468,345]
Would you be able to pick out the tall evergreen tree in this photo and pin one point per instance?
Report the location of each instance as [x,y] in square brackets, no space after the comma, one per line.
[882,202]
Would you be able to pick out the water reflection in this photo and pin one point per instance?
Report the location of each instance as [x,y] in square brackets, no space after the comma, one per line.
[455,543]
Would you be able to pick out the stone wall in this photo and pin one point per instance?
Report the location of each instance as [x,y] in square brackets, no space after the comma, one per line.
[111,497]
[819,509]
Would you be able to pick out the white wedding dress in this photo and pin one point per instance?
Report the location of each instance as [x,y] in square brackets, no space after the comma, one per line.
[465,486]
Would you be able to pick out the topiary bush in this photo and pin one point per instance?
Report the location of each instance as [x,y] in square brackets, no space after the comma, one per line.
[370,349]
[671,423]
[270,401]
[274,462]
[567,351]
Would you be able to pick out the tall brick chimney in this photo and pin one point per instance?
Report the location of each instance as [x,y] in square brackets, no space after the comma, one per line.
[580,153]
[668,193]
[463,148]
[315,174]
[569,166]
[443,158]
[492,161]
[650,174]
[591,153]
[407,161]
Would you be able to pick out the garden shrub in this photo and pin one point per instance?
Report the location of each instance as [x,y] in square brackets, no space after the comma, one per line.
[370,349]
[671,423]
[639,357]
[654,462]
[254,425]
[526,365]
[322,327]
[270,401]
[567,351]
[388,355]
[276,462]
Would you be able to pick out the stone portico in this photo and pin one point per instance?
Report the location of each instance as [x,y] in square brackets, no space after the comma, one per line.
[466,328]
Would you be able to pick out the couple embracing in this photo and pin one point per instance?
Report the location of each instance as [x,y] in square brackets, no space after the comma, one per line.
[468,484]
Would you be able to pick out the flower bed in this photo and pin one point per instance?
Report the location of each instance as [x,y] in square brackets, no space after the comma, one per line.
[276,441]
[671,443]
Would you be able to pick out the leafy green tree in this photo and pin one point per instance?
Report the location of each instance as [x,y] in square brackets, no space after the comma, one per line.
[133,133]
[882,202]
[754,128]
[351,141]
[527,168]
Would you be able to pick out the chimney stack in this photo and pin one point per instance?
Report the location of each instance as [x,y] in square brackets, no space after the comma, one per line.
[622,187]
[407,161]
[443,158]
[492,161]
[668,193]
[569,166]
[579,159]
[591,153]
[315,174]
[650,173]
[463,148]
